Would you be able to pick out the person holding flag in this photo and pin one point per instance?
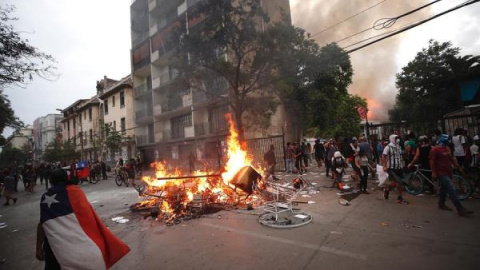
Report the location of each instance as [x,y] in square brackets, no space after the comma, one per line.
[70,235]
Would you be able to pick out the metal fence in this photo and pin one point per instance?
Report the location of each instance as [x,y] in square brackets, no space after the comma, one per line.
[259,146]
[448,124]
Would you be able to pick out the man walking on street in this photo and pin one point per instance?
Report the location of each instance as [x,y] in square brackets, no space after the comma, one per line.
[271,162]
[441,160]
[9,188]
[392,161]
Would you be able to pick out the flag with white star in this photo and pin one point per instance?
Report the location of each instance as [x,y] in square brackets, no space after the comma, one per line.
[76,234]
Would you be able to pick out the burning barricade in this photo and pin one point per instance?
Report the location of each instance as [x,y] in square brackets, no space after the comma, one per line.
[172,196]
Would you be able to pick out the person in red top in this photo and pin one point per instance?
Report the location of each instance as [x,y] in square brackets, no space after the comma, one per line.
[441,160]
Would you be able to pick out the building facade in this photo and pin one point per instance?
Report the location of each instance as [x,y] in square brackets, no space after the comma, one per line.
[46,130]
[117,111]
[172,123]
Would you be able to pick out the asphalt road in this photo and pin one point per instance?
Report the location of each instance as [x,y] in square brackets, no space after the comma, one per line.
[371,233]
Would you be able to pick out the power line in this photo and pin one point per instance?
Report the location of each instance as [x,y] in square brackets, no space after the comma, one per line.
[408,27]
[384,23]
[349,18]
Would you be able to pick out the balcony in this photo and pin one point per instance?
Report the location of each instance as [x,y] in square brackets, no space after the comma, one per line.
[140,39]
[142,90]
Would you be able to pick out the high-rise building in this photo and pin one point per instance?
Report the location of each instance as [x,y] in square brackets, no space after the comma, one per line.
[172,123]
[46,130]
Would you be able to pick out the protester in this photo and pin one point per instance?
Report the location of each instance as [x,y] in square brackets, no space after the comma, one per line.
[441,161]
[130,169]
[299,159]
[104,169]
[338,165]
[474,152]
[392,161]
[361,161]
[319,152]
[459,142]
[290,157]
[9,188]
[70,235]
[191,162]
[331,151]
[269,158]
[422,155]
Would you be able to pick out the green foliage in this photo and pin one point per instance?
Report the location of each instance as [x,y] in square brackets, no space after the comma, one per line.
[53,152]
[69,152]
[7,116]
[12,156]
[113,139]
[228,46]
[18,59]
[431,83]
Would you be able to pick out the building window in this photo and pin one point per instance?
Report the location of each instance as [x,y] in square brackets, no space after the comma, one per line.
[85,115]
[122,99]
[106,106]
[90,114]
[80,119]
[113,101]
[178,125]
[115,125]
[122,124]
[91,134]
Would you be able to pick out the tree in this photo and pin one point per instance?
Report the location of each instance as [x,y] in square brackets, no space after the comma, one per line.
[11,156]
[7,116]
[18,59]
[53,152]
[113,140]
[431,83]
[230,52]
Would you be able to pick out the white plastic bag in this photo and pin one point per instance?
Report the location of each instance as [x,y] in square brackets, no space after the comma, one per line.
[382,176]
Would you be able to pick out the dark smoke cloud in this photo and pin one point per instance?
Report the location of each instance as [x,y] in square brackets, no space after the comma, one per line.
[375,66]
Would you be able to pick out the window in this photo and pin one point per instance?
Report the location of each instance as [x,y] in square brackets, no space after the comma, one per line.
[85,115]
[90,114]
[91,134]
[115,125]
[113,101]
[106,106]
[122,99]
[122,124]
[80,119]
[68,126]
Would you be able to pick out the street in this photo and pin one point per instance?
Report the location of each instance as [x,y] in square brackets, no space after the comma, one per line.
[370,233]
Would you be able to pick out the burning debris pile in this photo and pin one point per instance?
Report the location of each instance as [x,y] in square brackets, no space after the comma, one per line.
[172,195]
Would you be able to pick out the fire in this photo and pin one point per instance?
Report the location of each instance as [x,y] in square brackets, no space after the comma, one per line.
[174,191]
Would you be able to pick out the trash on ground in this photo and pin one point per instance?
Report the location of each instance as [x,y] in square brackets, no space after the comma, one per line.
[116,218]
[311,202]
[122,221]
[384,224]
[16,230]
[3,226]
[306,196]
[335,232]
[301,216]
[420,195]
[343,201]
[412,226]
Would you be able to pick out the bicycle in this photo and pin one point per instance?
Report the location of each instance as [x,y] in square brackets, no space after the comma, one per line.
[121,178]
[416,183]
[473,174]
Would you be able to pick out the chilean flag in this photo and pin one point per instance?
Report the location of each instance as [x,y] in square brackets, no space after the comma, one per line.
[75,233]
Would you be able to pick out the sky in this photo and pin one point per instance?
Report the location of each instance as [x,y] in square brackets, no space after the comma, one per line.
[91,39]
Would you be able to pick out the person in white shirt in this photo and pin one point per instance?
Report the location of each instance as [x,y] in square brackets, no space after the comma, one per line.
[474,151]
[459,141]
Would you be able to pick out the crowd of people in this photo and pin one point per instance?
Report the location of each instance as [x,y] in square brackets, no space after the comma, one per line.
[438,153]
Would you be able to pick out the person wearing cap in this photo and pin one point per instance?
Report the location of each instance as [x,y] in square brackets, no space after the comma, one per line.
[392,161]
[441,161]
[474,151]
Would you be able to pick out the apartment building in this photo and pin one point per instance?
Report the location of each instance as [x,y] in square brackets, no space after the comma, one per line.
[117,111]
[46,129]
[82,126]
[171,123]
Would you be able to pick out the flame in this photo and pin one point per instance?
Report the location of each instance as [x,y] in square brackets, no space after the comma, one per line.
[181,191]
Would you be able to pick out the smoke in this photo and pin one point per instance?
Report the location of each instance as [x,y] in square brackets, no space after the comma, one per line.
[374,66]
